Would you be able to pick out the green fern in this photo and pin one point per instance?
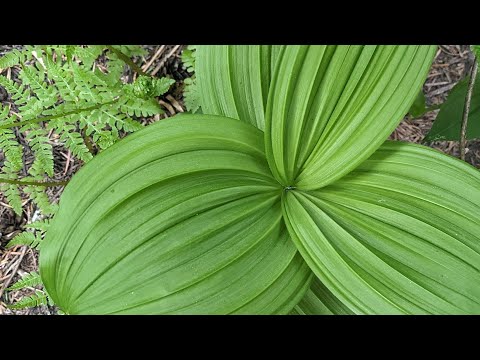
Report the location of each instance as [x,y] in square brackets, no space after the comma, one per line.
[13,58]
[12,193]
[146,87]
[37,299]
[26,239]
[39,143]
[131,50]
[82,95]
[29,280]
[38,195]
[191,97]
[41,225]
[188,58]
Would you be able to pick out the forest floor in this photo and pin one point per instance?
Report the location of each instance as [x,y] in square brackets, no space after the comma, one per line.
[451,64]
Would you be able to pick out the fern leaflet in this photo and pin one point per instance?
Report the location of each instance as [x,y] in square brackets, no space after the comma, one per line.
[29,280]
[25,238]
[37,299]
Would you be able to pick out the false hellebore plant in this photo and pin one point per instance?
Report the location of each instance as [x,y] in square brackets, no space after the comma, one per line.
[301,206]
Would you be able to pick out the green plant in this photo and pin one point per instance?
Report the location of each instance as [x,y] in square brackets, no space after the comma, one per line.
[448,122]
[34,240]
[71,95]
[452,122]
[419,106]
[288,199]
[191,97]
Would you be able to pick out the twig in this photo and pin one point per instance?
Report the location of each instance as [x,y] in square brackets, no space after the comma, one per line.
[127,60]
[14,271]
[466,109]
[168,106]
[175,103]
[159,66]
[154,57]
[67,163]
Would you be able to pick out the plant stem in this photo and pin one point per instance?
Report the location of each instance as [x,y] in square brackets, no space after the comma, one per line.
[127,60]
[466,109]
[47,118]
[88,143]
[34,183]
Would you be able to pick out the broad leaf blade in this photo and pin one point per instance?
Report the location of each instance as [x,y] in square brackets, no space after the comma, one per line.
[234,81]
[330,107]
[320,301]
[448,122]
[476,50]
[182,218]
[419,106]
[400,234]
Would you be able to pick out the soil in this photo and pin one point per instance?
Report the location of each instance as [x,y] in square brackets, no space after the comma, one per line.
[450,65]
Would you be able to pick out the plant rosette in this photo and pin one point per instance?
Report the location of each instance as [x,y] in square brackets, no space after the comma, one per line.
[283,197]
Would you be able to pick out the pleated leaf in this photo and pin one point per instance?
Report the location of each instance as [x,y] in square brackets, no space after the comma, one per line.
[399,234]
[330,107]
[320,301]
[234,81]
[182,217]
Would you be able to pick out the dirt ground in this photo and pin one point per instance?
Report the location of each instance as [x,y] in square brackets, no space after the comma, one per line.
[450,65]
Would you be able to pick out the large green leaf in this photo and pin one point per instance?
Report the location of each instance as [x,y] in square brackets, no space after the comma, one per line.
[234,80]
[320,301]
[476,51]
[182,217]
[399,234]
[448,122]
[330,107]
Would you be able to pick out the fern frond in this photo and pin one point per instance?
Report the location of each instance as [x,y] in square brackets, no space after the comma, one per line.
[130,125]
[38,195]
[19,93]
[70,137]
[4,111]
[39,142]
[37,299]
[36,80]
[131,50]
[32,108]
[88,54]
[12,193]
[25,238]
[29,280]
[90,86]
[188,58]
[139,107]
[79,98]
[11,149]
[63,81]
[191,97]
[74,142]
[146,87]
[41,225]
[11,59]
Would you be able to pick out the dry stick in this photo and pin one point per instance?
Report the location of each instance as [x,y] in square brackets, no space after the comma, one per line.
[466,109]
[154,57]
[159,66]
[14,271]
